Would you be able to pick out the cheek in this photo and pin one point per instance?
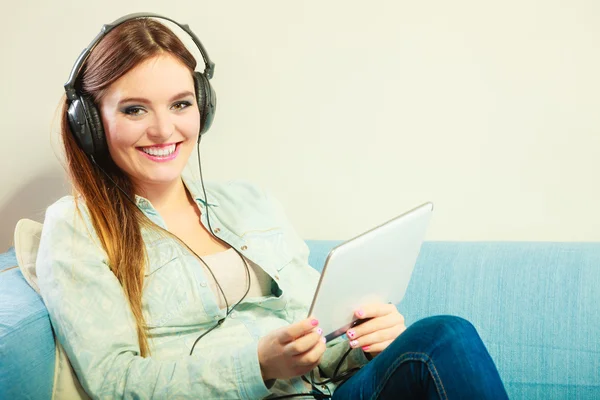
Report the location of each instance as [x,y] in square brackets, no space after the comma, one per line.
[190,125]
[122,134]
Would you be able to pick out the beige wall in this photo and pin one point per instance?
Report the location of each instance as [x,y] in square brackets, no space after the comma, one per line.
[354,111]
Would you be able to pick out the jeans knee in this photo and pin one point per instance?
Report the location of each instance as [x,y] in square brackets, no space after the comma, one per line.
[449,326]
[439,334]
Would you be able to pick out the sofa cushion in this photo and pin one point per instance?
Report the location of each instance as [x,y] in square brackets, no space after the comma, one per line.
[27,349]
[27,241]
[8,260]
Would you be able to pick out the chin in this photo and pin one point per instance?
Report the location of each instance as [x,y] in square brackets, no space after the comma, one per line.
[148,173]
[162,178]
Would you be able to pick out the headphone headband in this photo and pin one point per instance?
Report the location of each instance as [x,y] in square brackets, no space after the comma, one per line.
[84,116]
[209,66]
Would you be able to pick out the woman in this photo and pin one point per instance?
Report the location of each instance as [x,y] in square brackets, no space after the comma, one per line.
[158,287]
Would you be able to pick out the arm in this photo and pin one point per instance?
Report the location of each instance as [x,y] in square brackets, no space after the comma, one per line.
[92,320]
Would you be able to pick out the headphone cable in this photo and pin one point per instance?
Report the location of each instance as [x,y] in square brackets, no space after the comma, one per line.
[315,393]
[248,276]
[236,250]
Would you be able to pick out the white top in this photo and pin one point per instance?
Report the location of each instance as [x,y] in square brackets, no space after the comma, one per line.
[230,271]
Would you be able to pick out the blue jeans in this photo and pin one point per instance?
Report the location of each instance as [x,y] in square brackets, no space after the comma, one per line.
[435,358]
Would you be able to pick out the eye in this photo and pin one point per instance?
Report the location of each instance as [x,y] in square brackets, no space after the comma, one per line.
[134,111]
[181,105]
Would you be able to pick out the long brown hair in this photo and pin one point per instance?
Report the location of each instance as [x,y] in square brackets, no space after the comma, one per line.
[117,221]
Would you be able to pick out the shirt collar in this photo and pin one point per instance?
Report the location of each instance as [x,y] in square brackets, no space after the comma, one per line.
[143,203]
[195,189]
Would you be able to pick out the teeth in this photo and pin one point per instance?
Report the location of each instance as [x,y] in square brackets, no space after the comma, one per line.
[159,151]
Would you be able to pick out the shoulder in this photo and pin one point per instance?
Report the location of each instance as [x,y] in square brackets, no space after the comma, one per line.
[238,195]
[235,192]
[66,209]
[68,218]
[68,245]
[242,203]
[63,207]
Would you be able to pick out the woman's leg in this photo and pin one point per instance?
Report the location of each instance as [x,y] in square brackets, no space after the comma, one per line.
[435,358]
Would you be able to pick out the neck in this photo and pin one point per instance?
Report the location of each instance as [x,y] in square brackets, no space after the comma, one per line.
[165,197]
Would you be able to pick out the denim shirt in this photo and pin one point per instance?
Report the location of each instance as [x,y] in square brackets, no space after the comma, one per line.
[93,321]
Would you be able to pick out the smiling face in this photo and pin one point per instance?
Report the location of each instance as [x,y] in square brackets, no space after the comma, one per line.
[151,120]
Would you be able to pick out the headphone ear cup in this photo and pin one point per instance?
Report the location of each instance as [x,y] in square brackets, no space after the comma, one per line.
[95,124]
[207,101]
[79,125]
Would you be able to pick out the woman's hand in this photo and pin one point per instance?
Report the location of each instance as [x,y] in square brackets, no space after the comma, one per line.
[384,325]
[291,351]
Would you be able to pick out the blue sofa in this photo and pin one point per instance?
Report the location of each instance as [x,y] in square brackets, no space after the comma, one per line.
[535,305]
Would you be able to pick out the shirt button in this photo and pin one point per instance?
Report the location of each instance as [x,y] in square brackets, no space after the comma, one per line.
[216,317]
[244,247]
[217,230]
[203,284]
[233,314]
[276,277]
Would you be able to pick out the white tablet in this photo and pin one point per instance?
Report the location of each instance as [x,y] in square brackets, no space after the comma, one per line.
[373,267]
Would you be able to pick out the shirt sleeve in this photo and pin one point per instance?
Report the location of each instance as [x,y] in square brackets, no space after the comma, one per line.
[92,319]
[334,353]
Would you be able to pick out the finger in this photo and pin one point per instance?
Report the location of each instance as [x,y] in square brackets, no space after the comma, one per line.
[312,357]
[374,310]
[377,347]
[376,324]
[297,330]
[303,344]
[376,337]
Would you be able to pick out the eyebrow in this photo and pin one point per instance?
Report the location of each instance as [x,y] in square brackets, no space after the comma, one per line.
[143,100]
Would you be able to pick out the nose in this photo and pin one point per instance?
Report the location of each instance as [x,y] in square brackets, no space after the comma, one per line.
[162,127]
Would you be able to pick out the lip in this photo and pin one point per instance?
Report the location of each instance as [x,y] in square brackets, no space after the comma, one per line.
[160,146]
[161,159]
